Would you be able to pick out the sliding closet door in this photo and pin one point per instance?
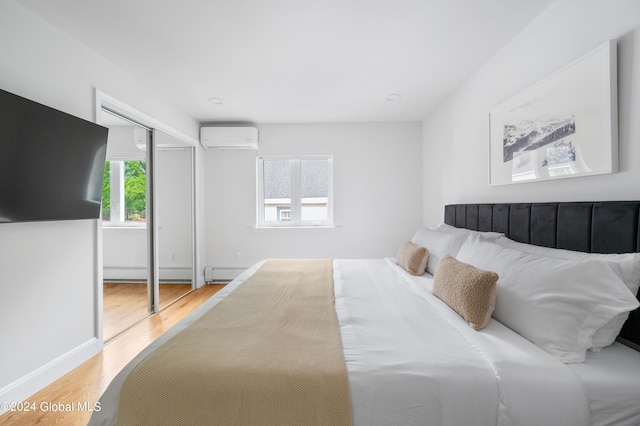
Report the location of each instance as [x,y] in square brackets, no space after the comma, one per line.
[174,206]
[125,208]
[148,221]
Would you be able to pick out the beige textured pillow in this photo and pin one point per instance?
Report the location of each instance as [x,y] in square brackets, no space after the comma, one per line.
[412,258]
[469,291]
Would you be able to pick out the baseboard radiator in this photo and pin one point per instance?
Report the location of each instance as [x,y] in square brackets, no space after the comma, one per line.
[213,274]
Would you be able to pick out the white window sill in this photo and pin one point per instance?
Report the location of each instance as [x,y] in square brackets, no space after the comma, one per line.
[272,228]
[105,226]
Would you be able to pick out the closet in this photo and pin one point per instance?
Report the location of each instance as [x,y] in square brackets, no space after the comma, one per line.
[148,248]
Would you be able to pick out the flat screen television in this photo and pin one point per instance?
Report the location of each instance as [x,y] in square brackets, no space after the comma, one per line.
[51,163]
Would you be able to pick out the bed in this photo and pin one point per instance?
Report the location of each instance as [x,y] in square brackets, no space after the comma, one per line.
[411,358]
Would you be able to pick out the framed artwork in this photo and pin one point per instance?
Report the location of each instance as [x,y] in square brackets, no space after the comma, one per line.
[564,126]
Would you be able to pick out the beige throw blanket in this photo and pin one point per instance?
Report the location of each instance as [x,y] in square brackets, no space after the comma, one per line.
[268,354]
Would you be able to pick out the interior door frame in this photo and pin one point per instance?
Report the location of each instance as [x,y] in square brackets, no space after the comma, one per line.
[153,287]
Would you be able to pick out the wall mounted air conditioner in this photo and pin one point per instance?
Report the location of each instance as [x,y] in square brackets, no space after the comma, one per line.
[229,137]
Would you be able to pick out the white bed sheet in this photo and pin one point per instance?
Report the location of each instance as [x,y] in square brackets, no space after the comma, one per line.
[612,378]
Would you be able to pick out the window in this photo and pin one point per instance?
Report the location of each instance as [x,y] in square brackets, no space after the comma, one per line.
[124,193]
[295,191]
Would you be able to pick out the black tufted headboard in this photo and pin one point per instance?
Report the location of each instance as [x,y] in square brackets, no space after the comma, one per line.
[594,227]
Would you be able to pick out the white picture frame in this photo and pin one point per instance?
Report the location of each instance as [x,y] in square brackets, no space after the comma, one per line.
[564,126]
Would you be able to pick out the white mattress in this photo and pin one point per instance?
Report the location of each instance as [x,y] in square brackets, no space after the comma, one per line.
[413,361]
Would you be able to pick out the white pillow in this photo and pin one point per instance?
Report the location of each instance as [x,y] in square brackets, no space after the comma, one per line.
[487,234]
[445,241]
[557,304]
[439,243]
[629,264]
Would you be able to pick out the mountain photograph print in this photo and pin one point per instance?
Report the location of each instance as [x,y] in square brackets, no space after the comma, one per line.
[528,135]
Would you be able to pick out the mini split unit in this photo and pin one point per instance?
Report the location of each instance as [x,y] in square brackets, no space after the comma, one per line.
[229,137]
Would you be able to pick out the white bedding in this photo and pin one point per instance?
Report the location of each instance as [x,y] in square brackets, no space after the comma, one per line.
[413,361]
[612,378]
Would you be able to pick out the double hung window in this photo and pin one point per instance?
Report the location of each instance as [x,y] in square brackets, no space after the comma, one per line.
[295,191]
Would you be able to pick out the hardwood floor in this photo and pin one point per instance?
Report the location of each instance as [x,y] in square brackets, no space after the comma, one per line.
[86,383]
[126,303]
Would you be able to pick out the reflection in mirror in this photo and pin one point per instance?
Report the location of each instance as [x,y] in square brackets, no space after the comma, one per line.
[124,231]
[174,205]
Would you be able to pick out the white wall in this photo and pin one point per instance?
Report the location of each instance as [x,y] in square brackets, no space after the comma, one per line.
[49,271]
[377,193]
[455,135]
[47,299]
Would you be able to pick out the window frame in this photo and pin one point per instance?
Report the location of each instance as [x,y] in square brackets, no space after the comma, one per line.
[296,199]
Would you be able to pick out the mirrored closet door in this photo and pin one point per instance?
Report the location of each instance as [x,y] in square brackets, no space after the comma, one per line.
[174,203]
[124,226]
[147,222]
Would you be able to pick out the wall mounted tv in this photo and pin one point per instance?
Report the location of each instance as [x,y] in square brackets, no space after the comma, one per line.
[51,163]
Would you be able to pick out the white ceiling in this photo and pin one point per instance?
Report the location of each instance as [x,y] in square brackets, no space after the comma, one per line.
[285,61]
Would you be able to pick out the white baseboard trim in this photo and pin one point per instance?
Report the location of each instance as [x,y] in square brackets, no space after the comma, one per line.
[118,273]
[31,383]
[121,273]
